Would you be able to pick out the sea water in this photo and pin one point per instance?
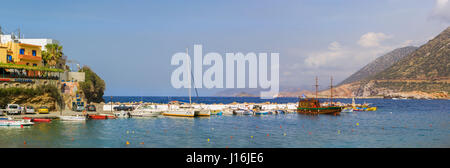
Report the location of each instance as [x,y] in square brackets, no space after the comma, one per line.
[396,123]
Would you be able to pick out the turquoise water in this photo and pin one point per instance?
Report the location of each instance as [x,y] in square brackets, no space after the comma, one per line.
[396,123]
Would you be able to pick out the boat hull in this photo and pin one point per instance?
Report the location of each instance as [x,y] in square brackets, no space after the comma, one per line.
[319,110]
[179,113]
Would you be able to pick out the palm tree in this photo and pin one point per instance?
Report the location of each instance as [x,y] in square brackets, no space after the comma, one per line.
[52,54]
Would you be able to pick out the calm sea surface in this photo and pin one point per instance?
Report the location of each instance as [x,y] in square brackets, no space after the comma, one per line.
[396,123]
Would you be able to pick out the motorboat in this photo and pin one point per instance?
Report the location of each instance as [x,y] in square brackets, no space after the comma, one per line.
[72,118]
[11,122]
[122,114]
[146,111]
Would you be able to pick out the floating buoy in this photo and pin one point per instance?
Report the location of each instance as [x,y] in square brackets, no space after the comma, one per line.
[127,143]
[267,134]
[24,142]
[357,124]
[280,126]
[284,134]
[339,131]
[72,139]
[231,137]
[142,143]
[21,126]
[251,136]
[208,139]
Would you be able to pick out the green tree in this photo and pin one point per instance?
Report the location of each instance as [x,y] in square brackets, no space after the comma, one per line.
[52,54]
[93,86]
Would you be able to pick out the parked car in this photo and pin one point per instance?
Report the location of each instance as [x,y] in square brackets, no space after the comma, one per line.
[13,109]
[78,108]
[91,108]
[29,110]
[43,110]
[123,107]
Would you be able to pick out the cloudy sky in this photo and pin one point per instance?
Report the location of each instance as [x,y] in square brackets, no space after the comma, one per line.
[130,43]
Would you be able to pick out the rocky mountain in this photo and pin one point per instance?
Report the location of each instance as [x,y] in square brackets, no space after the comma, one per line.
[424,73]
[379,64]
[430,61]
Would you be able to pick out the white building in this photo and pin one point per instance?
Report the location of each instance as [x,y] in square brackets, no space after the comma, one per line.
[4,38]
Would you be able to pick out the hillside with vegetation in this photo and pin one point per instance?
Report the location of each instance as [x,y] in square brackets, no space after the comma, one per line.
[93,87]
[45,95]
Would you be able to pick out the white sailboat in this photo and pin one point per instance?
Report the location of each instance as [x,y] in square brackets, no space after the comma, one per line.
[184,111]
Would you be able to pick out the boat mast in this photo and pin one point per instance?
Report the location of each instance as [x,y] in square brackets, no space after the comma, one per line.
[317,86]
[189,74]
[331,91]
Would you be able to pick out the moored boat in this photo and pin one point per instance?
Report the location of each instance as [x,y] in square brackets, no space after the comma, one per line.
[312,105]
[347,110]
[72,118]
[15,122]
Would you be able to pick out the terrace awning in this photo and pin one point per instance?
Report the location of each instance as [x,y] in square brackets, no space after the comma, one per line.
[33,68]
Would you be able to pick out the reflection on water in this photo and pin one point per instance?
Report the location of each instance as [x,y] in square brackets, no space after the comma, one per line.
[411,123]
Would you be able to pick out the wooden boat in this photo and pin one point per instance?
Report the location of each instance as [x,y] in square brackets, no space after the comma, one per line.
[371,109]
[347,110]
[261,112]
[312,105]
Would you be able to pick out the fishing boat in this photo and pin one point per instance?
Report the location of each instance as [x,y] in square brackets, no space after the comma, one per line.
[312,105]
[371,109]
[257,110]
[203,112]
[72,118]
[11,122]
[145,111]
[227,111]
[347,110]
[216,112]
[242,112]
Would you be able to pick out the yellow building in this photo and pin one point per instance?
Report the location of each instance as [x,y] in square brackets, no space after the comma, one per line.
[21,54]
[3,54]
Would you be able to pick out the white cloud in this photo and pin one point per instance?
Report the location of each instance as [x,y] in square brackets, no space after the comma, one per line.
[441,10]
[372,39]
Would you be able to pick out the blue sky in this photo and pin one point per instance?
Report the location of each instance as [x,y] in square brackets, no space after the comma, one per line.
[130,43]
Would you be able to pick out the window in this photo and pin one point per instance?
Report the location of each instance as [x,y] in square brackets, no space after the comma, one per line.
[34,52]
[22,51]
[9,58]
[34,64]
